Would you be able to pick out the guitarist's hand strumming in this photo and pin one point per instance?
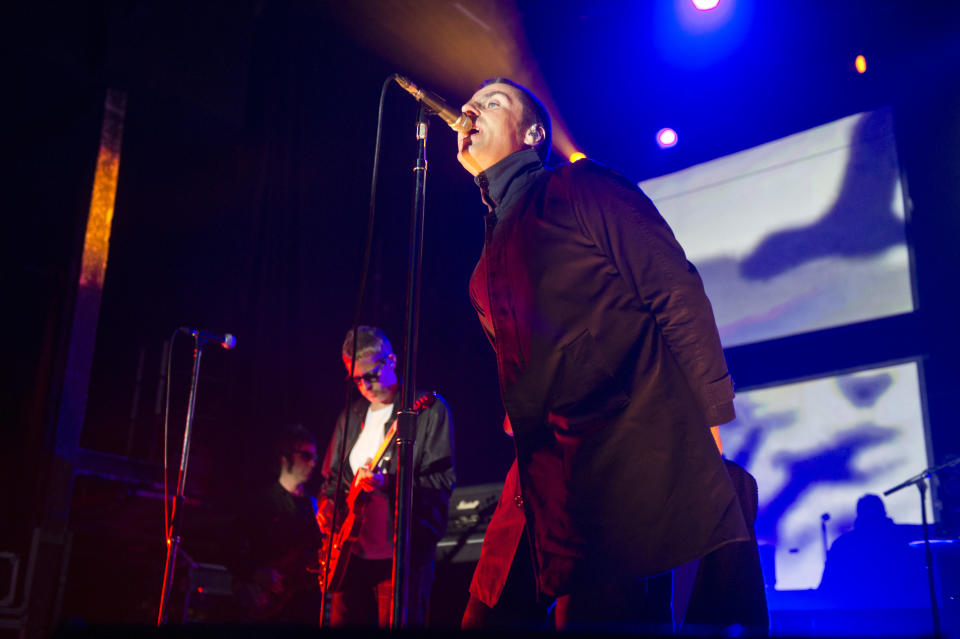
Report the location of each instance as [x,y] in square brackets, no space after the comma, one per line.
[369,480]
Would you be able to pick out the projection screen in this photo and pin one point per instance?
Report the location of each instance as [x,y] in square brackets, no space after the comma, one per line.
[803,233]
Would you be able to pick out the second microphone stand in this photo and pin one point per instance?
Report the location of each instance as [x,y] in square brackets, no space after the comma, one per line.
[920,481]
[174,530]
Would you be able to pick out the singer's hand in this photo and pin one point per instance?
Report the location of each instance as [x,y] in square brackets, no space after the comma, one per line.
[715,431]
[369,480]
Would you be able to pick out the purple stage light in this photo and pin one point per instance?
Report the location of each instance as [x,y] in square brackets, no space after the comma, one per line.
[666,138]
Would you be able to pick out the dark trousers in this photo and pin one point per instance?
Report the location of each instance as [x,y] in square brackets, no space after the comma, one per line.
[617,605]
[636,606]
[517,608]
[594,604]
[366,599]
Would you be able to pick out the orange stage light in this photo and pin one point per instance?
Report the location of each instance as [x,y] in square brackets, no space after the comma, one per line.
[452,46]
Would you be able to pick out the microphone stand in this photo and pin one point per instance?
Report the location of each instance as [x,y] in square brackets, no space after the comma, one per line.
[406,416]
[920,481]
[824,518]
[176,516]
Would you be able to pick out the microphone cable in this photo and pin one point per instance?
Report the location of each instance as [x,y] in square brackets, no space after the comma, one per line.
[168,511]
[348,386]
[167,515]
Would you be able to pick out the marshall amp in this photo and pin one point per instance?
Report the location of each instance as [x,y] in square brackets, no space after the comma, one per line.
[471,508]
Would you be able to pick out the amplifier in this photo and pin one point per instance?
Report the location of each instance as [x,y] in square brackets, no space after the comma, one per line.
[471,508]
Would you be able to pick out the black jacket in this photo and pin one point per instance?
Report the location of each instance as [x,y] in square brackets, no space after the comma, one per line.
[611,373]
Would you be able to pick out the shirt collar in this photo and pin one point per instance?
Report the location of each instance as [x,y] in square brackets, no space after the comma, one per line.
[495,181]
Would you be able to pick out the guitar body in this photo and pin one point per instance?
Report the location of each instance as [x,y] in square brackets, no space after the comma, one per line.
[265,596]
[331,577]
[343,541]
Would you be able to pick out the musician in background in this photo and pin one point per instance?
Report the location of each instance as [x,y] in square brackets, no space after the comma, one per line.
[872,566]
[281,538]
[365,598]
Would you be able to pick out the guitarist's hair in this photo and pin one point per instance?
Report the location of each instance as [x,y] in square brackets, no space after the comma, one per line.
[286,443]
[369,340]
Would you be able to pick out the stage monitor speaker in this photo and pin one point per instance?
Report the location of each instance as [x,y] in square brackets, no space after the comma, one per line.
[471,508]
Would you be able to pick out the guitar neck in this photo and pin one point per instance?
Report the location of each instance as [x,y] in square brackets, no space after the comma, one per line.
[387,440]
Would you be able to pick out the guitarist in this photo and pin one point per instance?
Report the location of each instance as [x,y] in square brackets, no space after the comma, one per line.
[364,598]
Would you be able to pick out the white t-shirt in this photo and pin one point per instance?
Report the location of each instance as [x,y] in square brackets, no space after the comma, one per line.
[375,540]
[371,436]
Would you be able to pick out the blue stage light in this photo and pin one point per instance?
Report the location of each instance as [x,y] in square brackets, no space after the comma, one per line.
[698,33]
[705,5]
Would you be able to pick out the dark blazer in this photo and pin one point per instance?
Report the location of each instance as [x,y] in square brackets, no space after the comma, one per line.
[433,476]
[611,373]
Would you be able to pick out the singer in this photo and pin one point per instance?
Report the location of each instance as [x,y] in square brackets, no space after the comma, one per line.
[613,381]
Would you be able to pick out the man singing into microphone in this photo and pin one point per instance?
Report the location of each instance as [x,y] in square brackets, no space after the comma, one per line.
[612,376]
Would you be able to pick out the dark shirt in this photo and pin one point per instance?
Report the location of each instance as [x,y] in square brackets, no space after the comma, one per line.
[282,530]
[611,373]
[280,536]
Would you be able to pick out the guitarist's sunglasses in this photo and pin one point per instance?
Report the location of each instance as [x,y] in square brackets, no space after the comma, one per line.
[370,376]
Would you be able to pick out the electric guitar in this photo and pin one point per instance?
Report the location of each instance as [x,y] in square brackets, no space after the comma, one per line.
[330,577]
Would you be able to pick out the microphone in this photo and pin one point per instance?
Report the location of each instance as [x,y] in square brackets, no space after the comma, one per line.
[457,120]
[226,340]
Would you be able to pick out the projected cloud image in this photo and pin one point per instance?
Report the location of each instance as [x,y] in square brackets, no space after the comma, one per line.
[816,447]
[800,234]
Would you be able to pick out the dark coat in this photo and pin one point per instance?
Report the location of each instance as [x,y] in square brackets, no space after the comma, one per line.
[729,586]
[433,476]
[611,373]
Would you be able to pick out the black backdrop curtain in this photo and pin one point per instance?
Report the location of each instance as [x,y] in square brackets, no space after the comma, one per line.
[251,220]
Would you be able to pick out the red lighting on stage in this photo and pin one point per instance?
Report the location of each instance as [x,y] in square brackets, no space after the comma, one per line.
[706,5]
[666,138]
[860,64]
[577,156]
